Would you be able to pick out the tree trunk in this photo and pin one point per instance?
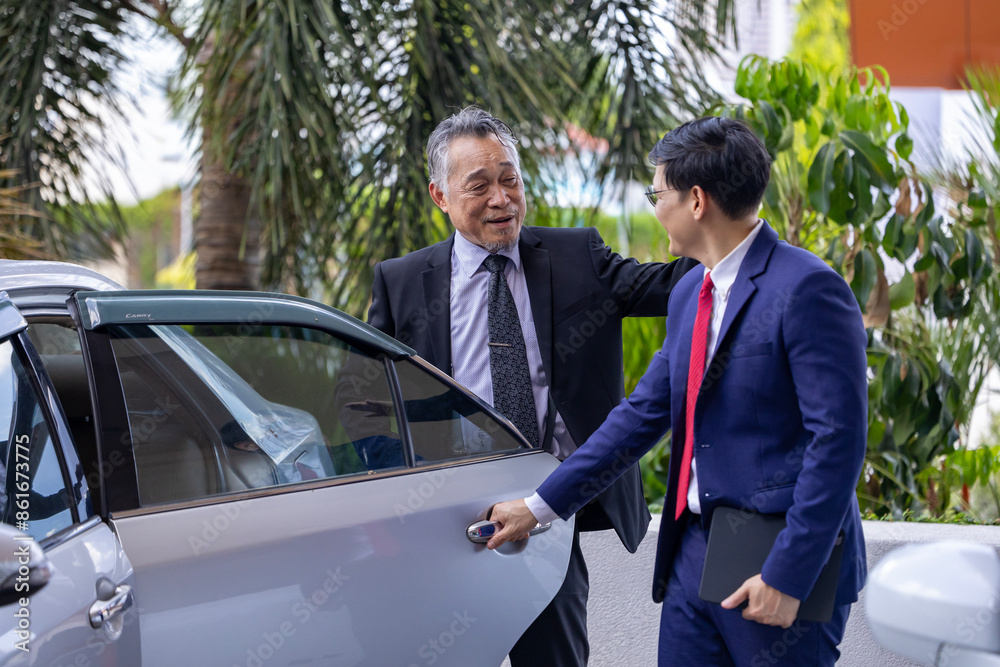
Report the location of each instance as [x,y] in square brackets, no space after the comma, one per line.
[226,232]
[226,235]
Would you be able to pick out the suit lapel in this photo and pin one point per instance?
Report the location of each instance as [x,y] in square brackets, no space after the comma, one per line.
[753,265]
[538,276]
[436,281]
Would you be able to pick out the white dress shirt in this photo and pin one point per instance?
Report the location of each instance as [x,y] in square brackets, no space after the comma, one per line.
[723,278]
[470,335]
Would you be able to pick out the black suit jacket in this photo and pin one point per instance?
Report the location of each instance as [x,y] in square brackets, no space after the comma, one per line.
[579,291]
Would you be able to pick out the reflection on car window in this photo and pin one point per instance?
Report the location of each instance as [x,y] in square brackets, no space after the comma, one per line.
[444,422]
[33,493]
[224,408]
[58,345]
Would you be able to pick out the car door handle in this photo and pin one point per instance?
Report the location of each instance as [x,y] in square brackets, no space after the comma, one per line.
[103,611]
[481,531]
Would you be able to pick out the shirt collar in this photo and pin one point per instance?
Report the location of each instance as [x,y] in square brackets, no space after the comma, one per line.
[470,256]
[724,273]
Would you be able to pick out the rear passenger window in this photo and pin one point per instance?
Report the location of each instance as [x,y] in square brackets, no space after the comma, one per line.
[217,409]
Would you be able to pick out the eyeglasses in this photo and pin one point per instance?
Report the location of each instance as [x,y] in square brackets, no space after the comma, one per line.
[651,194]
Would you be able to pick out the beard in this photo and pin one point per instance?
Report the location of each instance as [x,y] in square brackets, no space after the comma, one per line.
[503,245]
[507,242]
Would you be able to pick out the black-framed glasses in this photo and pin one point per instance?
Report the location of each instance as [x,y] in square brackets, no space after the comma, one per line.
[651,194]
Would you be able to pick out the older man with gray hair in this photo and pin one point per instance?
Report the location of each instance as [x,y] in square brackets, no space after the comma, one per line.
[540,288]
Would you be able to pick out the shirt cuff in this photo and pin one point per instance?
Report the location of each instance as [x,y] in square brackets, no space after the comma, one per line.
[540,509]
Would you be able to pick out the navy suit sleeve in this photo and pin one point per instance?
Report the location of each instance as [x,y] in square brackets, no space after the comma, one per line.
[639,290]
[825,342]
[631,430]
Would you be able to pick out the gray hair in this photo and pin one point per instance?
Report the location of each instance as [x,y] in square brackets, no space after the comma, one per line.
[469,122]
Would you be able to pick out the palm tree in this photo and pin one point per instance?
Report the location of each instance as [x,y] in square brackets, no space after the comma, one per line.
[14,244]
[57,97]
[314,115]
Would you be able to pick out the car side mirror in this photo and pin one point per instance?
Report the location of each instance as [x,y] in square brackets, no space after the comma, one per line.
[24,568]
[938,603]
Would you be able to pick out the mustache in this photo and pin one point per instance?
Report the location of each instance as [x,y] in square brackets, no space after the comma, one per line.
[494,218]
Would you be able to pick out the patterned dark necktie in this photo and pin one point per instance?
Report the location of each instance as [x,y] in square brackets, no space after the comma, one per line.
[512,394]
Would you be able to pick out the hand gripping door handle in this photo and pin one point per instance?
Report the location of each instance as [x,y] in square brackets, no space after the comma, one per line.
[481,531]
[103,611]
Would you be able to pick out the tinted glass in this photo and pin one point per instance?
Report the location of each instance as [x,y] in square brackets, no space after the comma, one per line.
[445,423]
[58,346]
[34,497]
[226,408]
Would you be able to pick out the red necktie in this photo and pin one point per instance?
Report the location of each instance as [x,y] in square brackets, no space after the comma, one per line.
[696,371]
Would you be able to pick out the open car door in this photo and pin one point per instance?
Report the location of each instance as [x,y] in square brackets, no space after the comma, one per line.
[294,487]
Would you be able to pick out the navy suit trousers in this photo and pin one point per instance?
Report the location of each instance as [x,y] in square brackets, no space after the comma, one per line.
[695,632]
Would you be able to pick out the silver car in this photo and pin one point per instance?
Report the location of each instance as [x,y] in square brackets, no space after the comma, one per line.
[247,479]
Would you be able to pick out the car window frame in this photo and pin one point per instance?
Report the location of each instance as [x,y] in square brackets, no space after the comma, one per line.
[121,492]
[74,478]
[82,512]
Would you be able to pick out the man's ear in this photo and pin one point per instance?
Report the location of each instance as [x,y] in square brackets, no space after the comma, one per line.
[700,202]
[439,197]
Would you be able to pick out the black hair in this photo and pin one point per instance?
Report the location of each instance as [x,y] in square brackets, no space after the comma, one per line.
[232,433]
[723,156]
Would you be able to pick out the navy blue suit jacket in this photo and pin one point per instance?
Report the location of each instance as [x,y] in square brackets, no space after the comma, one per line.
[580,290]
[780,423]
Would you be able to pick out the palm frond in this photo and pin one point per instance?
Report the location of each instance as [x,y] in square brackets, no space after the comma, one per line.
[56,104]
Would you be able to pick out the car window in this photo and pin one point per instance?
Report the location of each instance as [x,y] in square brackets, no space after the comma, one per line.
[445,423]
[218,409]
[58,344]
[33,493]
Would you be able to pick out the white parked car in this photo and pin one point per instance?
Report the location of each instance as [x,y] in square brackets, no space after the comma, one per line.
[938,603]
[216,478]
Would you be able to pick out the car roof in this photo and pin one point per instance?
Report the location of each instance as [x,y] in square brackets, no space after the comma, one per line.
[44,284]
[31,282]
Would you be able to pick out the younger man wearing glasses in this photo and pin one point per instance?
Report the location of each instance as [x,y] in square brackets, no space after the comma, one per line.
[762,377]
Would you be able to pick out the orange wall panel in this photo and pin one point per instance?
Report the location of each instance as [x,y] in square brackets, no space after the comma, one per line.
[919,42]
[984,32]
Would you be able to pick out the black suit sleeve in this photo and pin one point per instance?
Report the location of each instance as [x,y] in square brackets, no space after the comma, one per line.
[640,290]
[379,314]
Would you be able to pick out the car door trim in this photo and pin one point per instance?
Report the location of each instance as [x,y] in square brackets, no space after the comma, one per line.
[100,309]
[343,480]
[115,460]
[402,420]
